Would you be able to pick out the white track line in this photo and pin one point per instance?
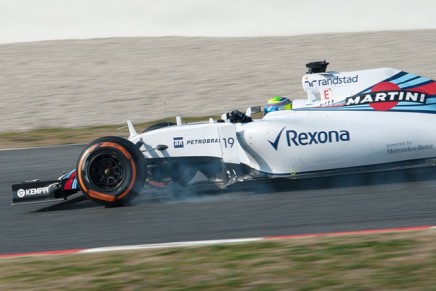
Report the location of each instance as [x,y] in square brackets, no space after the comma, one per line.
[171,245]
[41,147]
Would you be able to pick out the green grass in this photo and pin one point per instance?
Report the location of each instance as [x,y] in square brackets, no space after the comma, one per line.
[399,261]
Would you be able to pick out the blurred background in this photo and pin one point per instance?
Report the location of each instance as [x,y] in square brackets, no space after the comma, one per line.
[77,63]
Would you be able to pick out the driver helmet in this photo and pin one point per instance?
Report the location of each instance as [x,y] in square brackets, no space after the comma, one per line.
[277,103]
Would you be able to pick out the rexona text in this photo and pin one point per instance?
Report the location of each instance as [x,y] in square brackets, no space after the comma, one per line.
[386,96]
[316,137]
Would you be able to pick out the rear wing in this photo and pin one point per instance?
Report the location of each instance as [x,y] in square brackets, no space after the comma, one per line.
[336,86]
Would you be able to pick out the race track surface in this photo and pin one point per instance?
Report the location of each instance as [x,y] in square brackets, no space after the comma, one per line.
[382,200]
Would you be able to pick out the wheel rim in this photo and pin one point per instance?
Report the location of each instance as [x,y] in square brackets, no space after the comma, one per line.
[107,172]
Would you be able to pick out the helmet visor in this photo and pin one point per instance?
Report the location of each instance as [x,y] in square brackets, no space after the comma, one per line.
[276,107]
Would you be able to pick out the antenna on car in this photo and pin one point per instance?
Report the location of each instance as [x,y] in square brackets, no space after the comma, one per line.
[132,130]
[166,113]
[317,67]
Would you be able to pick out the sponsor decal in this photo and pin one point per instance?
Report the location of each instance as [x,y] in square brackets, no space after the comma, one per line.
[202,141]
[333,81]
[275,143]
[310,83]
[406,147]
[316,137]
[178,142]
[385,96]
[21,193]
[295,138]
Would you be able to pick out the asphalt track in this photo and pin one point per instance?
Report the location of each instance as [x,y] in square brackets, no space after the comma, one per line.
[255,209]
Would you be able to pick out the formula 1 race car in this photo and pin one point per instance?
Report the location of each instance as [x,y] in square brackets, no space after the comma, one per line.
[350,122]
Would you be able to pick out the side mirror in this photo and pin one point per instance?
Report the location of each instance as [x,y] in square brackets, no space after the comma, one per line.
[253,110]
[161,147]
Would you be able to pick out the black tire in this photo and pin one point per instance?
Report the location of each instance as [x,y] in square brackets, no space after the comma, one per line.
[111,171]
[158,125]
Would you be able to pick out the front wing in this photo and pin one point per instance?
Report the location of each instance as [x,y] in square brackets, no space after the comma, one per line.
[36,191]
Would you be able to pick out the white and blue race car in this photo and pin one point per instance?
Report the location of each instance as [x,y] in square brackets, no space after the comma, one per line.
[350,122]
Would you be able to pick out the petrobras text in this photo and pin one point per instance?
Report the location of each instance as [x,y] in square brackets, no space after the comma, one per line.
[179,142]
[203,141]
[316,137]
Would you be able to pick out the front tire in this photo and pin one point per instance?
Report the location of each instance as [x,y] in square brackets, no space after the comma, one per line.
[111,171]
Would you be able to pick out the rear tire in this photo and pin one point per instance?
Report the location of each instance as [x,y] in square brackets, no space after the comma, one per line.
[111,171]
